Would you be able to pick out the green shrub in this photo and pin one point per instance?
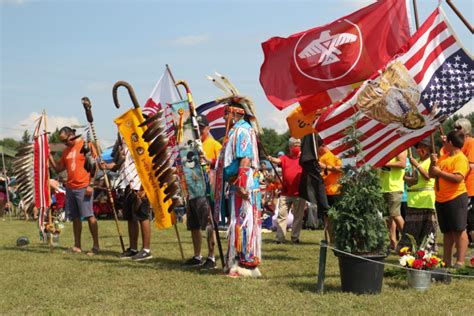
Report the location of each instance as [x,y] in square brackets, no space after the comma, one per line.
[356,219]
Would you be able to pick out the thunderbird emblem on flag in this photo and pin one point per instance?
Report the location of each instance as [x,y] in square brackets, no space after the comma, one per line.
[429,80]
[326,50]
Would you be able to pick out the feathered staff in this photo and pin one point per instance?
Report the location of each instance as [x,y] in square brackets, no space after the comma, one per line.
[88,108]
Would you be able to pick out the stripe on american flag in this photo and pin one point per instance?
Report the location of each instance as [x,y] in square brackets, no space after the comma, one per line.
[427,52]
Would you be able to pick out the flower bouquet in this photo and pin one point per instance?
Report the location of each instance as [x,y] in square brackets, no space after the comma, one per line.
[421,258]
[421,261]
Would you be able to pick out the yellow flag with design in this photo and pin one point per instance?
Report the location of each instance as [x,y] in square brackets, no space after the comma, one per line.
[132,134]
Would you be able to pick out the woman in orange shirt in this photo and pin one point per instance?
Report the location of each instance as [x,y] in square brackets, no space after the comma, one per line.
[464,125]
[450,170]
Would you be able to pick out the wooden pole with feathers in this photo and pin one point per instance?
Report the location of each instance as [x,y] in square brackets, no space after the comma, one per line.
[88,108]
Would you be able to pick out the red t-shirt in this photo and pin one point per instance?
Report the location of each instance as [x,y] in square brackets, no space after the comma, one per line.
[291,171]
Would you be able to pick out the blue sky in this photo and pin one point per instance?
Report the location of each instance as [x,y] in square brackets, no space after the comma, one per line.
[55,52]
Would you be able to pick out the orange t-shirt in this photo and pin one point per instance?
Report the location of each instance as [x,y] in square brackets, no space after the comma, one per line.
[452,164]
[73,160]
[468,150]
[331,179]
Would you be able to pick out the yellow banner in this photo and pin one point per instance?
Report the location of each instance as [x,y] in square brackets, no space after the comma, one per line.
[301,124]
[132,134]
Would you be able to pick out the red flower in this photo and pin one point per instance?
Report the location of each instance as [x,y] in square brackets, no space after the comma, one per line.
[420,253]
[434,261]
[418,264]
[472,261]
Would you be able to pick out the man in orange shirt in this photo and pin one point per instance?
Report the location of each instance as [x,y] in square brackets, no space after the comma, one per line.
[79,190]
[331,171]
[450,170]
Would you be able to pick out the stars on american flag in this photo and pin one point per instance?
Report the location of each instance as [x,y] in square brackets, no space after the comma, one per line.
[451,86]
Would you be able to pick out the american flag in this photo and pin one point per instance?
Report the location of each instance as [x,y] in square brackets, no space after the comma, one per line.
[214,112]
[442,75]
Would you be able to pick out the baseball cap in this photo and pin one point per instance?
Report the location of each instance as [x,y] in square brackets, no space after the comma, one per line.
[202,121]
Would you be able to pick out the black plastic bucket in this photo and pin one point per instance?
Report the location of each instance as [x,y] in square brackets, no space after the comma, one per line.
[360,276]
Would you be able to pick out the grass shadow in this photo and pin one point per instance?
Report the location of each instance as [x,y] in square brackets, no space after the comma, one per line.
[305,287]
[280,257]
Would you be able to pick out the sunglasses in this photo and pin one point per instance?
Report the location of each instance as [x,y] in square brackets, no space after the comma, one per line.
[457,127]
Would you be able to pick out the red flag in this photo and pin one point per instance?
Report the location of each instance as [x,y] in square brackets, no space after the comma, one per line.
[407,100]
[338,54]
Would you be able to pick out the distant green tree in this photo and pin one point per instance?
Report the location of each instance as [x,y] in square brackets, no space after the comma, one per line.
[10,143]
[54,137]
[25,139]
[448,126]
[274,142]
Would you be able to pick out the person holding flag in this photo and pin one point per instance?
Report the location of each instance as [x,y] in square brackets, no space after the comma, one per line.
[291,171]
[238,165]
[198,212]
[136,204]
[79,187]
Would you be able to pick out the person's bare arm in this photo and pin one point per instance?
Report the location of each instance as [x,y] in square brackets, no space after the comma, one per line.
[58,166]
[401,161]
[276,161]
[424,173]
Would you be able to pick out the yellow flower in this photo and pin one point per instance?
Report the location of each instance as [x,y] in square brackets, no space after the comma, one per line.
[410,261]
[404,250]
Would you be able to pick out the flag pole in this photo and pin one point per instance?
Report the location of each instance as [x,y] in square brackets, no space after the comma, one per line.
[460,16]
[433,148]
[6,183]
[174,81]
[415,10]
[175,224]
[50,214]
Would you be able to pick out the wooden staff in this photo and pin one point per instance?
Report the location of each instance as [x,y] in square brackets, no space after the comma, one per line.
[198,142]
[460,16]
[87,107]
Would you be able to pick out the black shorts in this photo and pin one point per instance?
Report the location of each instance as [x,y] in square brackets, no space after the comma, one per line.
[470,214]
[133,210]
[197,214]
[452,215]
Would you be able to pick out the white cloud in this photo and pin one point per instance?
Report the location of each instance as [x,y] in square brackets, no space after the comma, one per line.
[276,119]
[98,86]
[17,2]
[15,130]
[191,40]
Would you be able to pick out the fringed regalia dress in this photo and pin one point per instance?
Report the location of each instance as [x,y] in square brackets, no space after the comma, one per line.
[244,233]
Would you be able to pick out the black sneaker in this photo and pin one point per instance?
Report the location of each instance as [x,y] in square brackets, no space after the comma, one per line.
[128,254]
[209,264]
[193,262]
[142,255]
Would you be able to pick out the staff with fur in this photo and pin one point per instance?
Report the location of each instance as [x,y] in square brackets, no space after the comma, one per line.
[87,107]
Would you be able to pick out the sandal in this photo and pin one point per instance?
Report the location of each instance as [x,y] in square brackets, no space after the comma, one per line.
[74,250]
[94,251]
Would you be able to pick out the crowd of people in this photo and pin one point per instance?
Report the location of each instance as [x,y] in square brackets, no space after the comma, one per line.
[424,192]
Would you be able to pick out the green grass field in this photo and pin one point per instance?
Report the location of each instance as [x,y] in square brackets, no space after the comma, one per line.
[34,280]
